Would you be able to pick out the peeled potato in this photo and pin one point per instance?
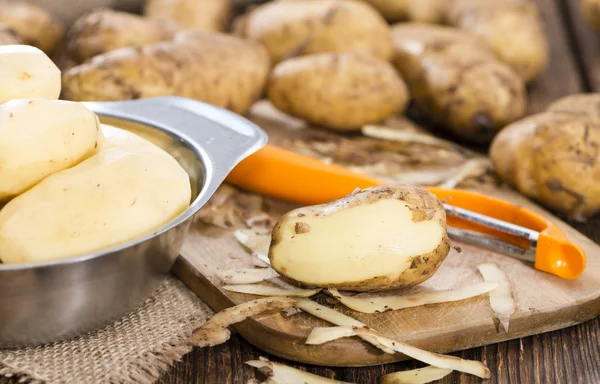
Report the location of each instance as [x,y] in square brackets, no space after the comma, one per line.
[121,138]
[112,197]
[39,137]
[27,72]
[376,239]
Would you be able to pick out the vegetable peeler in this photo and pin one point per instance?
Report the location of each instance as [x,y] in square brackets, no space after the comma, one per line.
[473,218]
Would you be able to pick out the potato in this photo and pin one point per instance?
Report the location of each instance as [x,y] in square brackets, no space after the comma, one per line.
[33,24]
[112,197]
[120,138]
[340,91]
[512,28]
[39,137]
[301,27]
[553,156]
[218,69]
[106,30]
[380,238]
[456,81]
[27,73]
[199,15]
[9,36]
[590,9]
[427,11]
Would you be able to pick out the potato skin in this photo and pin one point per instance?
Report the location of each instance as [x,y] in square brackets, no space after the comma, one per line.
[33,24]
[9,36]
[340,91]
[590,9]
[457,81]
[289,28]
[218,69]
[512,28]
[197,15]
[424,207]
[106,30]
[426,11]
[553,156]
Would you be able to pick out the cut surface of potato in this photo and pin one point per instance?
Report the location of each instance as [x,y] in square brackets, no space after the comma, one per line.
[39,137]
[27,73]
[375,239]
[290,28]
[112,197]
[340,91]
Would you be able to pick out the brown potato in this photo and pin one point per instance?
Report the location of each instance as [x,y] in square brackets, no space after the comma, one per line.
[33,24]
[106,30]
[301,27]
[427,11]
[590,9]
[553,156]
[218,69]
[341,91]
[512,28]
[380,238]
[9,36]
[197,15]
[457,81]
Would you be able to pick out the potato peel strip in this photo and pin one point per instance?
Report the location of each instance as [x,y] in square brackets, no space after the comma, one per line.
[279,373]
[374,304]
[415,376]
[270,290]
[337,318]
[257,244]
[477,368]
[214,331]
[247,275]
[501,298]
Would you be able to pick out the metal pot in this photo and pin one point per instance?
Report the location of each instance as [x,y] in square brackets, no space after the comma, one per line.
[44,302]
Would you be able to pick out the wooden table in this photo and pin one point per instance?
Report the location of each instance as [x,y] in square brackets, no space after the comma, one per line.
[570,355]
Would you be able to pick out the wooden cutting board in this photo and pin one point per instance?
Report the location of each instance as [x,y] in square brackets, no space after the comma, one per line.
[545,302]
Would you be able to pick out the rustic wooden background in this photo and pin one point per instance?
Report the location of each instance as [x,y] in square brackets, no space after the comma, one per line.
[570,355]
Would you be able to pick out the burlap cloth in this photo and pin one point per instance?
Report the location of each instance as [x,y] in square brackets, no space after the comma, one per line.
[135,349]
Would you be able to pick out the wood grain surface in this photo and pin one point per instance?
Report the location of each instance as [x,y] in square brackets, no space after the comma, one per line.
[571,355]
[545,301]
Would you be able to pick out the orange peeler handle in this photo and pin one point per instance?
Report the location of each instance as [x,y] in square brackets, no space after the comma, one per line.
[304,180]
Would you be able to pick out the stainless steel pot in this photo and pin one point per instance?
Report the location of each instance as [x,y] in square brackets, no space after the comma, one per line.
[57,300]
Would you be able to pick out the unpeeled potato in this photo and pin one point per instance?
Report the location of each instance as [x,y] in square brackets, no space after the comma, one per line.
[105,30]
[554,156]
[380,238]
[198,15]
[457,81]
[340,91]
[512,28]
[40,137]
[219,69]
[34,25]
[289,28]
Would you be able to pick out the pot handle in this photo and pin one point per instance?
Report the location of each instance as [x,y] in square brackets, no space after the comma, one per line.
[221,138]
